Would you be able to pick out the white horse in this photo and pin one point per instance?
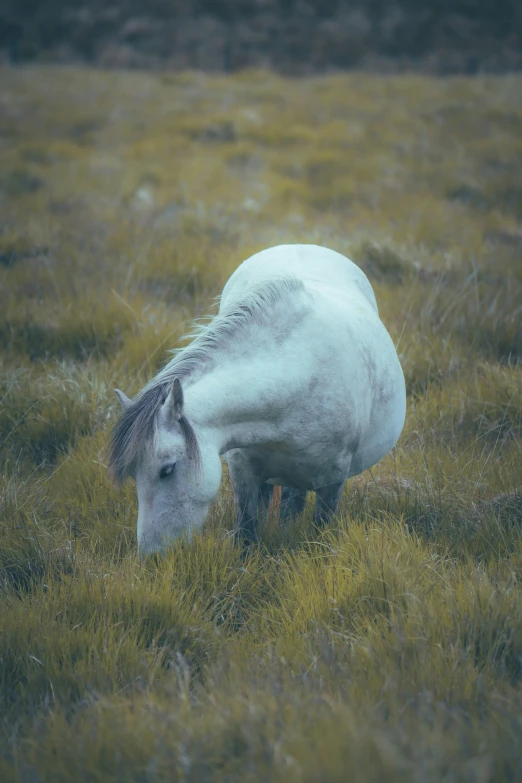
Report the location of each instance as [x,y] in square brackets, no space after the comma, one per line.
[295,380]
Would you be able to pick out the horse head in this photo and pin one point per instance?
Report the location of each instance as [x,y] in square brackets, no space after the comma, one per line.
[177,476]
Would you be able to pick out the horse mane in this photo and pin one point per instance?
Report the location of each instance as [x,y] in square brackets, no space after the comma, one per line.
[137,423]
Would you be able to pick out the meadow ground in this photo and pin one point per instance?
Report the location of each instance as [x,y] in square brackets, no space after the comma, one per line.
[388,647]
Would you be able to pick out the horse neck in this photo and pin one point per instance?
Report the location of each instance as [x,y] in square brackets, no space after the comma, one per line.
[232,407]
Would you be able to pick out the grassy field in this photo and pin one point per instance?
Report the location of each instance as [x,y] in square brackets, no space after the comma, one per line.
[388,647]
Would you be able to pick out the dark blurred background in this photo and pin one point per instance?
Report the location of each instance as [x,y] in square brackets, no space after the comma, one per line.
[293,36]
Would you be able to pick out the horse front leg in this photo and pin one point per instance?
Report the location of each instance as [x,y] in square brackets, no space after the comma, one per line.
[246,486]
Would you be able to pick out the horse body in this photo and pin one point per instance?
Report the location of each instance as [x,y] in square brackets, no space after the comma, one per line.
[296,382]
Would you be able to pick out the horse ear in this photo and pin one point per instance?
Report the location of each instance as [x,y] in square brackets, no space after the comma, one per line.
[125,402]
[174,402]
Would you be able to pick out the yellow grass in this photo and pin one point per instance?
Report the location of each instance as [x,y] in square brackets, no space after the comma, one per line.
[388,647]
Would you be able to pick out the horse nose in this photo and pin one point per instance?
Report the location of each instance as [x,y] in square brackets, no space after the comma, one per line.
[144,547]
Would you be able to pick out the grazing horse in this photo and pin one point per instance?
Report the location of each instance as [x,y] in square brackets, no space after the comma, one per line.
[295,381]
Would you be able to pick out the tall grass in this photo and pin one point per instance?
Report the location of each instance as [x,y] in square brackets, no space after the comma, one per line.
[388,647]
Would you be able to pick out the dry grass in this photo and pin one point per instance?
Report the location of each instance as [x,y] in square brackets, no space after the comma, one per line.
[388,648]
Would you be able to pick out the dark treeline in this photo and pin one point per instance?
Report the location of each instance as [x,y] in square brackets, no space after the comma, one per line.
[295,36]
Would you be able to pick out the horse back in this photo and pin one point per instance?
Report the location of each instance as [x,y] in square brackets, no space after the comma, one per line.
[310,263]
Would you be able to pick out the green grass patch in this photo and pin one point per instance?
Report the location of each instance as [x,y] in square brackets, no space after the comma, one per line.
[389,645]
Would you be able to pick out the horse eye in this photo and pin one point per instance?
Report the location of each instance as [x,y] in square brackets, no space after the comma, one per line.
[166,470]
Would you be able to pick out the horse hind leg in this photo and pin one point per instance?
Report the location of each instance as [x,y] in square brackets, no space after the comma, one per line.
[327,501]
[292,503]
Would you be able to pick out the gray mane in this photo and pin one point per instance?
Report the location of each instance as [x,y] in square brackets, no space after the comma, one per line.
[136,425]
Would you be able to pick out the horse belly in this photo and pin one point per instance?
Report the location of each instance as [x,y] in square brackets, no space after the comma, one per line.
[303,473]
